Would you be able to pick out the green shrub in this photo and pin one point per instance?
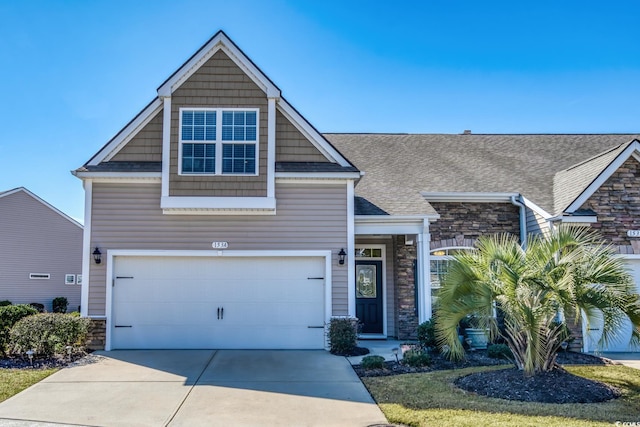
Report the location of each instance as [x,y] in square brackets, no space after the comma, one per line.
[9,315]
[59,305]
[5,303]
[37,306]
[499,351]
[48,333]
[416,358]
[427,334]
[343,335]
[372,362]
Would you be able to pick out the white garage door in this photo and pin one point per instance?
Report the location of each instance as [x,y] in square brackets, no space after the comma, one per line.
[218,302]
[621,343]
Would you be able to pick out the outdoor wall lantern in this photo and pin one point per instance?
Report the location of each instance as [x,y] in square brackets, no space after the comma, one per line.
[97,256]
[341,255]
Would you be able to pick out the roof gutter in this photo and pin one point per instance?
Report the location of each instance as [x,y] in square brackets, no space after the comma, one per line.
[517,201]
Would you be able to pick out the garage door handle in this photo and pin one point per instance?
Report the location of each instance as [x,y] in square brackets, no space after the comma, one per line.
[315,327]
[594,329]
[315,278]
[123,326]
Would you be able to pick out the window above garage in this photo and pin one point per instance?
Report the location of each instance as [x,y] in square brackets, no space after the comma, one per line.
[218,141]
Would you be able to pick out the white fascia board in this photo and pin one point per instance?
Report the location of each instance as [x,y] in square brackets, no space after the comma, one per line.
[604,176]
[468,197]
[38,199]
[318,175]
[120,140]
[218,202]
[585,219]
[219,42]
[528,203]
[380,224]
[120,176]
[311,133]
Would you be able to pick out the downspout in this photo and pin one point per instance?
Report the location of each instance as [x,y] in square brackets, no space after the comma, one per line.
[516,201]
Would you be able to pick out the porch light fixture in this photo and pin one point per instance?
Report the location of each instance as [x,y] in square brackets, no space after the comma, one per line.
[341,255]
[97,256]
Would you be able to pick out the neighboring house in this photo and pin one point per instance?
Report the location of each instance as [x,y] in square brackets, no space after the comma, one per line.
[224,219]
[40,251]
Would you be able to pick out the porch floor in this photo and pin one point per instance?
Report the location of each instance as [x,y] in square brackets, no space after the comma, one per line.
[382,347]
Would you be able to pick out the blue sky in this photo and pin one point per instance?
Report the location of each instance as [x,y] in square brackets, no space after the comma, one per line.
[75,72]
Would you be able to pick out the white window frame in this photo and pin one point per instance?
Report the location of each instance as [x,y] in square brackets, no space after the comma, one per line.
[69,279]
[445,257]
[218,141]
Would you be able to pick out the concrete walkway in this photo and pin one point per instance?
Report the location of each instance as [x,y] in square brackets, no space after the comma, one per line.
[628,359]
[199,388]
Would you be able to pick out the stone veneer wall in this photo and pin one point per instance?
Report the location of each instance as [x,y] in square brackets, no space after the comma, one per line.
[617,205]
[461,223]
[407,320]
[97,334]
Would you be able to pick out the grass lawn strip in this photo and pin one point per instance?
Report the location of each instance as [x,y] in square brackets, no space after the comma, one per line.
[13,381]
[431,399]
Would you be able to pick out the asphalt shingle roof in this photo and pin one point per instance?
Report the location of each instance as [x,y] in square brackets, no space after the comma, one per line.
[399,166]
[570,183]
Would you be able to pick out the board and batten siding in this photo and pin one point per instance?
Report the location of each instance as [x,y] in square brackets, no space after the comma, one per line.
[309,217]
[37,239]
[218,83]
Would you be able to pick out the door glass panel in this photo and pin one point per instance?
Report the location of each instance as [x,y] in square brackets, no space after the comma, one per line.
[366,281]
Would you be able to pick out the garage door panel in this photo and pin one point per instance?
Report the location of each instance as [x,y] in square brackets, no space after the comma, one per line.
[172,302]
[619,342]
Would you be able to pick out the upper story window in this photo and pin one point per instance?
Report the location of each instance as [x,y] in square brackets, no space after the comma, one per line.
[216,141]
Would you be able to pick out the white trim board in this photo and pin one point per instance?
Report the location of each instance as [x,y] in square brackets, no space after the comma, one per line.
[380,224]
[468,197]
[111,253]
[125,135]
[634,147]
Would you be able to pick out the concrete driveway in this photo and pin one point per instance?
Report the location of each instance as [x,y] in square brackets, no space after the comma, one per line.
[199,387]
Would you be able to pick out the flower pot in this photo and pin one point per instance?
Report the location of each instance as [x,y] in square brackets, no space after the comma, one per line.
[478,338]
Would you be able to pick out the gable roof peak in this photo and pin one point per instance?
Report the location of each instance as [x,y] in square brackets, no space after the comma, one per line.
[38,199]
[219,41]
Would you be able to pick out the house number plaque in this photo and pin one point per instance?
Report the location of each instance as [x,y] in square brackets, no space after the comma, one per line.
[633,233]
[220,245]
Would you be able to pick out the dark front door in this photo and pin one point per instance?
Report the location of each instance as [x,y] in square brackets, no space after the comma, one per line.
[369,296]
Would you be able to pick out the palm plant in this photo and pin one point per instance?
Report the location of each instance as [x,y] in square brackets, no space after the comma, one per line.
[570,271]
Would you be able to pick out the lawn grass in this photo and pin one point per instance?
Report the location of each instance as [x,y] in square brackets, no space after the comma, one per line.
[13,381]
[430,399]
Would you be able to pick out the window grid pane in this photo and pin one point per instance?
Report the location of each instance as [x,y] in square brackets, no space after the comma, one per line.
[239,126]
[198,125]
[239,158]
[198,158]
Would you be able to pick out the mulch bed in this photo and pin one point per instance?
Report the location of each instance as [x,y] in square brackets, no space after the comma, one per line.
[41,362]
[557,386]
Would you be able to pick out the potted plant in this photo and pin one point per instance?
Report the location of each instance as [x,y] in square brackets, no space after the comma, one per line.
[476,337]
